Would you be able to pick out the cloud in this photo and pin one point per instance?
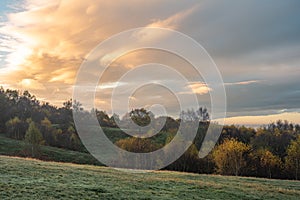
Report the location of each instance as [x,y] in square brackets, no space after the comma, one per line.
[31,83]
[265,119]
[47,41]
[175,20]
[243,82]
[111,85]
[198,88]
[235,28]
[255,44]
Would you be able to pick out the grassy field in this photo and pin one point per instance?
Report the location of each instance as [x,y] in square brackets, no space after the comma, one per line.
[32,179]
[12,147]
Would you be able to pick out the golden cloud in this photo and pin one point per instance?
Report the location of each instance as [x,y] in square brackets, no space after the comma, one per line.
[49,39]
[199,88]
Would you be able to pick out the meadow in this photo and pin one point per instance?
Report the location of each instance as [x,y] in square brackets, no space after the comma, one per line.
[22,178]
[11,147]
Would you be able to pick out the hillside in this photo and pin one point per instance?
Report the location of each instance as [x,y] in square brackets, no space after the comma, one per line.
[11,147]
[32,179]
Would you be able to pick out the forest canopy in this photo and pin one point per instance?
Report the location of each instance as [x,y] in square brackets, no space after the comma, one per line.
[271,151]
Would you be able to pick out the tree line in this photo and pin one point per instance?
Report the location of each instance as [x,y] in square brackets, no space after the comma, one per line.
[271,151]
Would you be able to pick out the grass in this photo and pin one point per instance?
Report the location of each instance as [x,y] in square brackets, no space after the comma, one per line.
[32,179]
[12,147]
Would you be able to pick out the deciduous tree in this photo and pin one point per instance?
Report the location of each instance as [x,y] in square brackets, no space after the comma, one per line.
[229,157]
[34,138]
[293,157]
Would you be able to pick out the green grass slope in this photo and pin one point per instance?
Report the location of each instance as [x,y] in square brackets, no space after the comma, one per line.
[32,179]
[12,147]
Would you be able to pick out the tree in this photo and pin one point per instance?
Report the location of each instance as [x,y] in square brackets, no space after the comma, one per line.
[269,161]
[68,104]
[115,120]
[103,118]
[297,128]
[46,123]
[191,115]
[293,157]
[140,117]
[189,161]
[229,157]
[48,132]
[4,109]
[75,142]
[137,145]
[203,114]
[34,137]
[15,128]
[274,138]
[242,134]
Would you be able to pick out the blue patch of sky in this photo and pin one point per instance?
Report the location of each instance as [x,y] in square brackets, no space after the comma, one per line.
[6,7]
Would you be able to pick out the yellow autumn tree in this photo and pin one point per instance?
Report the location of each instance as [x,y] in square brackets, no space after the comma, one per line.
[229,157]
[293,157]
[269,161]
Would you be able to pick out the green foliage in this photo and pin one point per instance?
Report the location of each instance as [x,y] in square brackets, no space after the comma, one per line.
[34,137]
[141,117]
[114,134]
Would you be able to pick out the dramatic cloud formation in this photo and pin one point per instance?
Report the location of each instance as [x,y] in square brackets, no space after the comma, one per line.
[255,44]
[51,39]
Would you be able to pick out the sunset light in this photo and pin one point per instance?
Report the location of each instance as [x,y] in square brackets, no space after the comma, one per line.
[149,99]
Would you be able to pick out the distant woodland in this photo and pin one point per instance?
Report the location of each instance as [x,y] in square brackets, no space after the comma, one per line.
[271,151]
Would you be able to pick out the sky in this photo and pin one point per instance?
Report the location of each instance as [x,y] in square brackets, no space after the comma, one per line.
[254,43]
[6,7]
